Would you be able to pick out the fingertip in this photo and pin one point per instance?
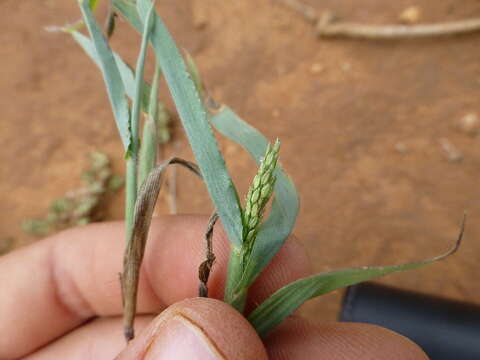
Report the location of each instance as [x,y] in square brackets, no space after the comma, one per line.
[297,338]
[200,328]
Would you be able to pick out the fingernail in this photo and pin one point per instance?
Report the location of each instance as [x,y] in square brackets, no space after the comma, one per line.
[179,338]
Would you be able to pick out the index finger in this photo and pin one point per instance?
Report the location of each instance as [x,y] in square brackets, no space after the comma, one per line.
[59,283]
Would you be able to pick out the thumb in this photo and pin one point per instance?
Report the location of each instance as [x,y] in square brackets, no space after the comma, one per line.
[200,328]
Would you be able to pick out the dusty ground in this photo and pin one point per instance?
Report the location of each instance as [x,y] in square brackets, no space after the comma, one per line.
[361,137]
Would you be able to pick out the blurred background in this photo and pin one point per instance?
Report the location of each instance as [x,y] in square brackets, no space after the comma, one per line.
[380,137]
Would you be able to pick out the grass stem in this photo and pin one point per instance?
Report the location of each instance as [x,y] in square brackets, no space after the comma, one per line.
[148,150]
[235,296]
[130,195]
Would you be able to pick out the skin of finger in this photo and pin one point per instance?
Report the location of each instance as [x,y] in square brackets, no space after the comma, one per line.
[26,282]
[71,277]
[296,338]
[226,330]
[290,264]
[100,338]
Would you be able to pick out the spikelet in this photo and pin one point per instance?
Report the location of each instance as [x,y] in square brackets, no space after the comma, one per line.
[257,197]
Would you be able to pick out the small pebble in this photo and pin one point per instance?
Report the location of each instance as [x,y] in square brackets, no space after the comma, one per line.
[275,113]
[453,154]
[316,68]
[411,15]
[469,124]
[401,147]
[346,67]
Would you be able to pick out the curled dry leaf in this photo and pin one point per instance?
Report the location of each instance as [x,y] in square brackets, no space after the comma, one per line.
[133,255]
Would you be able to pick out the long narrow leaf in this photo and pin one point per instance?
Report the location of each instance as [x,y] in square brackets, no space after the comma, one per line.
[286,300]
[194,74]
[133,152]
[126,72]
[77,25]
[194,119]
[111,75]
[275,230]
[139,70]
[128,9]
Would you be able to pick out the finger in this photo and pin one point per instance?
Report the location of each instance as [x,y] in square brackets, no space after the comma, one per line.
[298,339]
[56,284]
[99,339]
[200,328]
[288,265]
[171,264]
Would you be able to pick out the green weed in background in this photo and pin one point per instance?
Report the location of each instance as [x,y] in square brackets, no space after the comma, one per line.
[78,207]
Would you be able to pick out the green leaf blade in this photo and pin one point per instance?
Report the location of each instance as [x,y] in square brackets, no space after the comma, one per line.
[128,10]
[93,4]
[139,70]
[194,118]
[126,73]
[111,75]
[287,299]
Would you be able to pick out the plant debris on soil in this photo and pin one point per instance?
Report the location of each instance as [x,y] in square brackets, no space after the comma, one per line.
[79,206]
[327,25]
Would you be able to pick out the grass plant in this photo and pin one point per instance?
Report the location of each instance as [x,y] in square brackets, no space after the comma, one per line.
[254,240]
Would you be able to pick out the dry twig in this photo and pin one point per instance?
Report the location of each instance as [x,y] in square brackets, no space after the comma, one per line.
[206,266]
[326,26]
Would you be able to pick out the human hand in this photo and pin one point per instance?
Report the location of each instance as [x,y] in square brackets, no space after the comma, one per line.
[60,299]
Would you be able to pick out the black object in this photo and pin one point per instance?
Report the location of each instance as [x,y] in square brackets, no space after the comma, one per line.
[445,329]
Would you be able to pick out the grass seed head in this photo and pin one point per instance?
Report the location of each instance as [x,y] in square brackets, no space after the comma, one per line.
[258,195]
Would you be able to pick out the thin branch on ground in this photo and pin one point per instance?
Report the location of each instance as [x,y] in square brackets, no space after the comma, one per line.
[326,26]
[331,29]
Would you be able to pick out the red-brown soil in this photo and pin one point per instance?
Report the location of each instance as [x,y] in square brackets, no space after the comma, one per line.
[360,137]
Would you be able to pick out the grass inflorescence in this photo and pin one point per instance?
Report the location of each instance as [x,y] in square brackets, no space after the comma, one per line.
[258,195]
